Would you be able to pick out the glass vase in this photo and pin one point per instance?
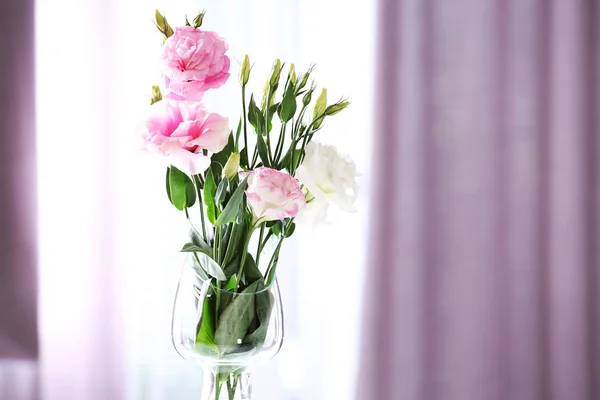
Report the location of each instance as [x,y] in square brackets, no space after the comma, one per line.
[227,330]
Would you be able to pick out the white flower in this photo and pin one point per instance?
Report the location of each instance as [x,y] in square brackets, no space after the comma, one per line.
[330,178]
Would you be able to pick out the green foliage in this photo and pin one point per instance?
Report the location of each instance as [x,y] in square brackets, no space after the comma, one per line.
[206,325]
[263,306]
[209,197]
[287,109]
[180,189]
[232,208]
[235,320]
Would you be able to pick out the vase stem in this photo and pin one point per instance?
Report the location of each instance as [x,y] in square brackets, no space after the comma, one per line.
[208,384]
[215,387]
[245,385]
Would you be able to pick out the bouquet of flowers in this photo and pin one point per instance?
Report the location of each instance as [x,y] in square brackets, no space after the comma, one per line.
[249,183]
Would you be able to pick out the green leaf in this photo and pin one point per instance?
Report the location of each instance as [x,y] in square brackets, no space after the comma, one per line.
[244,158]
[288,105]
[237,135]
[233,205]
[206,328]
[263,152]
[277,228]
[198,241]
[205,260]
[285,161]
[255,116]
[271,277]
[232,266]
[232,284]
[209,197]
[251,271]
[222,190]
[168,184]
[235,320]
[179,184]
[211,267]
[233,247]
[263,306]
[272,112]
[192,248]
[190,194]
[290,230]
[297,155]
[198,268]
[218,160]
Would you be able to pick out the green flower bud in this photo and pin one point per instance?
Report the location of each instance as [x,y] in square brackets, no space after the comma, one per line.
[156,95]
[320,107]
[198,20]
[337,107]
[245,71]
[266,89]
[305,78]
[292,74]
[308,96]
[231,167]
[162,24]
[276,73]
[309,196]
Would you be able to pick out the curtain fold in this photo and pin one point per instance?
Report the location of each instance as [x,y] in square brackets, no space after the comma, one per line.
[18,235]
[485,247]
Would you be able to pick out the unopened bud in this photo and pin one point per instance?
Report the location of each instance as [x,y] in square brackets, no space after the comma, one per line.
[276,73]
[336,108]
[320,107]
[231,167]
[265,96]
[245,70]
[292,74]
[156,95]
[198,20]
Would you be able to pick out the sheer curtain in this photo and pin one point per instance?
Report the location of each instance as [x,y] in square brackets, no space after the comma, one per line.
[108,237]
[18,244]
[486,258]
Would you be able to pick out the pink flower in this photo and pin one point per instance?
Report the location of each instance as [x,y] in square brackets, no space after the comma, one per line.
[194,61]
[181,130]
[274,195]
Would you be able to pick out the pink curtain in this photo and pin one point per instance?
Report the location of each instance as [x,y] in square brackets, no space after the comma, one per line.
[483,278]
[18,249]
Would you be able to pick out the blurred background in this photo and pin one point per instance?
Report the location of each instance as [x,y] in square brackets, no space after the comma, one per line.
[471,270]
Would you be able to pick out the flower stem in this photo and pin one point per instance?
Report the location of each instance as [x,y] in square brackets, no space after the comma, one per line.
[244,253]
[279,147]
[199,191]
[260,245]
[267,123]
[272,263]
[245,122]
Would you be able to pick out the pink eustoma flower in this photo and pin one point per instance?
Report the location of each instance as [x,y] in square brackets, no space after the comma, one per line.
[181,130]
[192,62]
[274,195]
